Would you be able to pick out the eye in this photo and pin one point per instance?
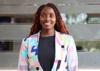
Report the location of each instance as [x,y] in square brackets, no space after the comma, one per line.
[43,15]
[51,16]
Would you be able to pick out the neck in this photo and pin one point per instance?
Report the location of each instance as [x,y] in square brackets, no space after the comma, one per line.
[46,33]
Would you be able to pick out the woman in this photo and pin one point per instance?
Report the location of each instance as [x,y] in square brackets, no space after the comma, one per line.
[49,46]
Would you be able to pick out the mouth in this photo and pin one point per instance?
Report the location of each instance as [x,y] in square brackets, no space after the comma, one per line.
[47,23]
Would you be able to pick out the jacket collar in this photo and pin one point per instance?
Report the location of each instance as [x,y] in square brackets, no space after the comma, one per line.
[58,37]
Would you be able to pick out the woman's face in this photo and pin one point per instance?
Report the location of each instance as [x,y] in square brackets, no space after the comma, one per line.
[47,18]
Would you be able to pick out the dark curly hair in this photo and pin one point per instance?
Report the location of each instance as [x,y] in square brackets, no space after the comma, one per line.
[59,26]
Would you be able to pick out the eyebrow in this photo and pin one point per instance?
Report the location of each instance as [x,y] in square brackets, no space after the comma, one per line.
[45,13]
[42,13]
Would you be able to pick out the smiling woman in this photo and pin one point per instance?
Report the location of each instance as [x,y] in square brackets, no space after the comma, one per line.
[49,47]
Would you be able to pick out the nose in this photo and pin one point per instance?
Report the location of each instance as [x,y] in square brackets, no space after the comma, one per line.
[47,18]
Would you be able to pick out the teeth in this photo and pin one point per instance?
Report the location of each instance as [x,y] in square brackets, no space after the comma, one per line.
[47,23]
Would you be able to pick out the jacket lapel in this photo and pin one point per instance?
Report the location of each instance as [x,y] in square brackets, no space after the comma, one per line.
[33,52]
[58,51]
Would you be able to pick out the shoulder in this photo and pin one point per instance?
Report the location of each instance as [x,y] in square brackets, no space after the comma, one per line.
[68,39]
[66,36]
[34,35]
[30,37]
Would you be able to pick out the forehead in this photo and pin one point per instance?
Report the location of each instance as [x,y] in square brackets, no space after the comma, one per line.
[47,10]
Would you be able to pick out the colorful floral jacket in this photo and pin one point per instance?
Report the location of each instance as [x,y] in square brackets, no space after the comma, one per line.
[66,58]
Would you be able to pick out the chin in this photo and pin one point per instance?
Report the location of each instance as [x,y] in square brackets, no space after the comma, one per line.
[47,28]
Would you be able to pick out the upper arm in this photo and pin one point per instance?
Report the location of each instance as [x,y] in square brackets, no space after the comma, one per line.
[72,56]
[23,56]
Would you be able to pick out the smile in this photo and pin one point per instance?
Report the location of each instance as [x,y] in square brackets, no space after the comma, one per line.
[47,23]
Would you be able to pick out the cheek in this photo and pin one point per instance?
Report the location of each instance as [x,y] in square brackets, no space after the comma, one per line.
[54,21]
[41,20]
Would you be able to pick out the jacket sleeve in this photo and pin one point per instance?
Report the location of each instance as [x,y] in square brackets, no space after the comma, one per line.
[23,56]
[72,56]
